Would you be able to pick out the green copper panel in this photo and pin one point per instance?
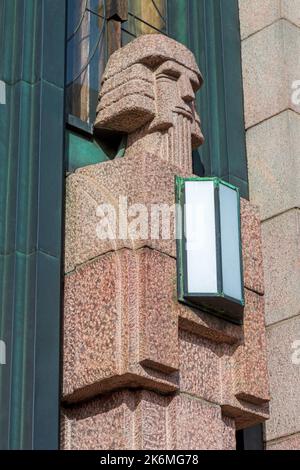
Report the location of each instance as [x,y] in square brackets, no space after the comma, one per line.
[32,58]
[82,150]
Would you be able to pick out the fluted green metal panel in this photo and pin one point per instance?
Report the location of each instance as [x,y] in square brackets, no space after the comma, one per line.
[32,67]
[210,28]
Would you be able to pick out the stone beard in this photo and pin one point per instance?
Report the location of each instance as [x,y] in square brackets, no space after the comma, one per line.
[172,145]
[176,142]
[152,98]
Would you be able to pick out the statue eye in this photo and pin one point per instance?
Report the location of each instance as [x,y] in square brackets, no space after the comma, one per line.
[195,85]
[170,74]
[174,76]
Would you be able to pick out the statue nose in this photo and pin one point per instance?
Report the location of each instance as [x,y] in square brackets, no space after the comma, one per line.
[186,89]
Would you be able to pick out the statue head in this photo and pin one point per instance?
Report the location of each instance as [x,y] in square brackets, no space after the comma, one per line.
[148,91]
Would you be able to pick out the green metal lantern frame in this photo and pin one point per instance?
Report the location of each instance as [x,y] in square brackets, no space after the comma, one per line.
[219,303]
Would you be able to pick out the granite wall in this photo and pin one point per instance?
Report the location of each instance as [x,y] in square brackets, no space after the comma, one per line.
[270,32]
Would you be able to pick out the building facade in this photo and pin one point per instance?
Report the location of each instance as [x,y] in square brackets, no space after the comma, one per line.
[97,351]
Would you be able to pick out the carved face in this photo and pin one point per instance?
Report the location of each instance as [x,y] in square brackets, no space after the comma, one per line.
[150,82]
[176,86]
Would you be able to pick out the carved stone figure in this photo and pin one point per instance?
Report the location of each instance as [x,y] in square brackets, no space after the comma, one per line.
[140,369]
[148,91]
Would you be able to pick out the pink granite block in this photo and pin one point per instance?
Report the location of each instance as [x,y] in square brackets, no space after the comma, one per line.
[228,373]
[138,420]
[200,366]
[147,421]
[140,179]
[159,299]
[200,426]
[208,326]
[103,424]
[154,421]
[119,328]
[243,412]
[158,325]
[252,247]
[251,373]
[244,375]
[92,319]
[231,373]
[229,436]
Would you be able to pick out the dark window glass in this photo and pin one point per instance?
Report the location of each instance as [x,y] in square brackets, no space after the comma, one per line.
[250,438]
[144,17]
[87,41]
[85,56]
